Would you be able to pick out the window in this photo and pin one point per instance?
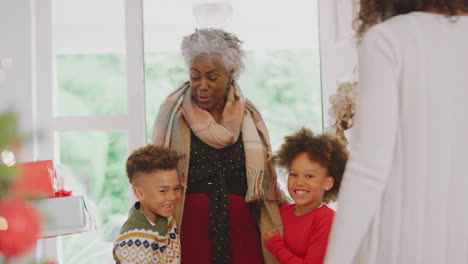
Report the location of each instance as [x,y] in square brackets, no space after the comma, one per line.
[282,76]
[282,66]
[95,167]
[99,108]
[88,122]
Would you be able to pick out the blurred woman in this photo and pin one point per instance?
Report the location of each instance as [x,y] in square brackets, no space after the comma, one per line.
[403,196]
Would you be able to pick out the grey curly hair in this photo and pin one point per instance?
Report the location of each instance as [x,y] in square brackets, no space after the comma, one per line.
[215,42]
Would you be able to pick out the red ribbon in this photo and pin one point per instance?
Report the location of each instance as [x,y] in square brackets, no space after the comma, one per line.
[62,193]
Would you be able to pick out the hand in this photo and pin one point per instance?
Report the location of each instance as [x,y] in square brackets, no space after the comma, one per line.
[270,233]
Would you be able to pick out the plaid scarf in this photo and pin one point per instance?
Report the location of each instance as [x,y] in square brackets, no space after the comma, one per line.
[239,116]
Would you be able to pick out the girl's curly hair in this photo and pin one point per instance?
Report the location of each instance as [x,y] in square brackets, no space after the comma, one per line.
[326,149]
[376,11]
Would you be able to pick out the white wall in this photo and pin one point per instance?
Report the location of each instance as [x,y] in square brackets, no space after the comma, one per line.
[16,42]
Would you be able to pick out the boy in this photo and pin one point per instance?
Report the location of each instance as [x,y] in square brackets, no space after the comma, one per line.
[150,234]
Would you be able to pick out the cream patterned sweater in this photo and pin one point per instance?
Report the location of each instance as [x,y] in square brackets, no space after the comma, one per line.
[143,242]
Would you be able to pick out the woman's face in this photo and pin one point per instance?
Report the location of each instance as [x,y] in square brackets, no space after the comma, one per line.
[209,79]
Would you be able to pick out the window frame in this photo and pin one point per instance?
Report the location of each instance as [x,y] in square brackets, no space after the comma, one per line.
[48,125]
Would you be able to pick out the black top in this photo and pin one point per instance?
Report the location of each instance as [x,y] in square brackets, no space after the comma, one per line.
[208,164]
[218,172]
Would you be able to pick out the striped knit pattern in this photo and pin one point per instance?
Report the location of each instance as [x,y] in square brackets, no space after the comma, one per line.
[143,245]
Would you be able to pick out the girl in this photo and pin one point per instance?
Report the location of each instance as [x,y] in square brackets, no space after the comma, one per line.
[316,165]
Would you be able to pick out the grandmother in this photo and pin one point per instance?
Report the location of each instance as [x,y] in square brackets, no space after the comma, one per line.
[230,182]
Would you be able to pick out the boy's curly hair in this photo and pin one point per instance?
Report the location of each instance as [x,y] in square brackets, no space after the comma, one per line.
[151,158]
[326,149]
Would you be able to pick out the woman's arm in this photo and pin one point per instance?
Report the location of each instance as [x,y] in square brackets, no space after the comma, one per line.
[372,147]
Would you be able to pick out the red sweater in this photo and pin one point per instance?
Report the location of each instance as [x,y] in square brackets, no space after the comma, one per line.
[305,237]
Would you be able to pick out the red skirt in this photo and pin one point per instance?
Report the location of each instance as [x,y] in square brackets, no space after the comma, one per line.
[197,247]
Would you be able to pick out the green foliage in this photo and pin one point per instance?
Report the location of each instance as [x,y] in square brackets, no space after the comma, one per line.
[91,84]
[9,135]
[7,175]
[94,161]
[164,72]
[8,130]
[286,88]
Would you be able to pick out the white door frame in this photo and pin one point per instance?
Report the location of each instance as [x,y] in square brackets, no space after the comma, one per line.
[338,48]
[133,122]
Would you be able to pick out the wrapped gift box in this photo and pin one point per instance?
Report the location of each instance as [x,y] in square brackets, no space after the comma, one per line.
[64,215]
[37,179]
